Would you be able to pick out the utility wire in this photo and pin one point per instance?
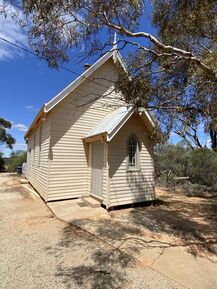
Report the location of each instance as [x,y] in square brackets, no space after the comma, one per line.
[43,58]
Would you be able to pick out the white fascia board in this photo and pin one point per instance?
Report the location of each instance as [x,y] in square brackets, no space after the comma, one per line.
[149,116]
[120,59]
[108,128]
[111,134]
[59,97]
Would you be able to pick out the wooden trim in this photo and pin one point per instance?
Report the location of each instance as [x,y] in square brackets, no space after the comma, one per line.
[95,138]
[120,124]
[49,160]
[35,122]
[84,76]
[96,197]
[107,175]
[89,167]
[138,153]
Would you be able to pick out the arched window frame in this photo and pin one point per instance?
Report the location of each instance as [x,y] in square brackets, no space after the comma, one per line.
[130,165]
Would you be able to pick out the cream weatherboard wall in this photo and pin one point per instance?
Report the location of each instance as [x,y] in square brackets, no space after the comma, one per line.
[131,186]
[38,158]
[71,120]
[59,160]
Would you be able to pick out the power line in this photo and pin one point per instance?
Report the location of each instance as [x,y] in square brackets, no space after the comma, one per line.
[43,58]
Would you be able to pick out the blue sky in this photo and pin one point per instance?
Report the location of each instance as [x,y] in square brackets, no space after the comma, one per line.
[27,83]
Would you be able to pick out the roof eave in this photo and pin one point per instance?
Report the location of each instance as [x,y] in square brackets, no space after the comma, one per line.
[37,118]
[149,116]
[109,134]
[60,96]
[99,136]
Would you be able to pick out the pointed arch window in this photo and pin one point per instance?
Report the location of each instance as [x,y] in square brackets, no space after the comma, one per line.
[133,153]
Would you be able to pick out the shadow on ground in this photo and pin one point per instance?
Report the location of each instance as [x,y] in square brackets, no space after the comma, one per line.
[93,264]
[192,221]
[97,259]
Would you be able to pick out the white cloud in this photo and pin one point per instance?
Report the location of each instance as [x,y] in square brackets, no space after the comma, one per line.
[20,127]
[30,108]
[20,146]
[10,31]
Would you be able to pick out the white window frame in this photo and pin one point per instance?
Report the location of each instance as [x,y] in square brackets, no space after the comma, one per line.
[135,167]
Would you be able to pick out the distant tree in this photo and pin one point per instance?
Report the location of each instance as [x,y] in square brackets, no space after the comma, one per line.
[204,167]
[2,162]
[16,158]
[174,159]
[5,137]
[200,165]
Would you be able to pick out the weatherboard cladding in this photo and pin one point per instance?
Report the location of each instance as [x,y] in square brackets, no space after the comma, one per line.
[38,171]
[64,171]
[86,75]
[115,56]
[131,186]
[72,120]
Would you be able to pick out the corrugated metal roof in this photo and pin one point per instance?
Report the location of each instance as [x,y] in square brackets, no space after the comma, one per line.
[112,122]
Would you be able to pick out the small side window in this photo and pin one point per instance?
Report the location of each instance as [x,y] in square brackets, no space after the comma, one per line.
[133,153]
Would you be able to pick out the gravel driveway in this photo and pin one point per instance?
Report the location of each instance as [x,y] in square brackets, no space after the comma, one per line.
[38,251]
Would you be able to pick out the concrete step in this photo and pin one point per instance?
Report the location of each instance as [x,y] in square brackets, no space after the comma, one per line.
[90,201]
[23,181]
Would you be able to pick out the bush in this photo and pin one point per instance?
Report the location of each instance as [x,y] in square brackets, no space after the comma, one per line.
[203,167]
[2,162]
[200,165]
[194,190]
[172,160]
[17,158]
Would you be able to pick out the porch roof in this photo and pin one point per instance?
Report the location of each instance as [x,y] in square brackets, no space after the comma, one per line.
[110,125]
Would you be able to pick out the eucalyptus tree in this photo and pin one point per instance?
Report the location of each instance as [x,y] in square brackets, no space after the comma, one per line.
[5,137]
[172,71]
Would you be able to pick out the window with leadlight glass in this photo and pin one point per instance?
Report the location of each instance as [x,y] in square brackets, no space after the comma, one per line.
[133,153]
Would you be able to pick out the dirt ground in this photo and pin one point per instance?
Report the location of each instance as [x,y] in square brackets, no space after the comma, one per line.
[178,220]
[38,251]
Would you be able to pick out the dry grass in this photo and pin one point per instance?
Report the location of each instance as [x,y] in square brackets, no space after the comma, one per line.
[179,220]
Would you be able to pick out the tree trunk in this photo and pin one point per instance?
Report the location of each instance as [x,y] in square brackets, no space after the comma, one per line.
[213,136]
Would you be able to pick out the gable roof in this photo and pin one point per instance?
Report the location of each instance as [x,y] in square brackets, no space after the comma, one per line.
[87,73]
[114,120]
[112,123]
[115,55]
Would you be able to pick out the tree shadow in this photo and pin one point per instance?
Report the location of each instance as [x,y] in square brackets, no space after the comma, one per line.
[113,230]
[97,265]
[192,223]
[107,271]
[102,259]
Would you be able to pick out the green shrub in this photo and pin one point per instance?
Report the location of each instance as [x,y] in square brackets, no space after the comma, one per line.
[2,162]
[203,167]
[17,158]
[194,190]
[200,165]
